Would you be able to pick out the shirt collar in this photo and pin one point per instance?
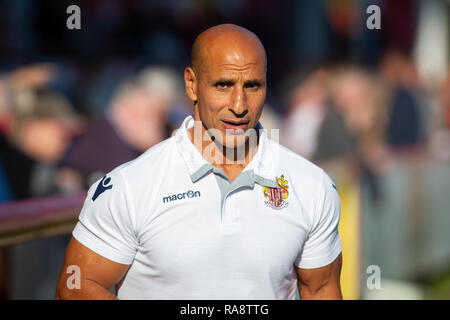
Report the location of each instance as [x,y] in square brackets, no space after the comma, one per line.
[261,166]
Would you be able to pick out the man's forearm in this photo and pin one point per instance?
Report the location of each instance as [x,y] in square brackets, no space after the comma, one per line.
[89,290]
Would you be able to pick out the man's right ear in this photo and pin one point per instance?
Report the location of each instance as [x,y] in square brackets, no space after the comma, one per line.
[190,82]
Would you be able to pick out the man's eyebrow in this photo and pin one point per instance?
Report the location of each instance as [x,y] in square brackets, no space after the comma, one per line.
[224,81]
[253,82]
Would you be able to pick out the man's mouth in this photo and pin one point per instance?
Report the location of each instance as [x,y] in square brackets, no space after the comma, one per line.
[236,126]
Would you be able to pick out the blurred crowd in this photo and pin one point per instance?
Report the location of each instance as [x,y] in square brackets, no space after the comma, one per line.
[337,111]
[49,148]
[58,136]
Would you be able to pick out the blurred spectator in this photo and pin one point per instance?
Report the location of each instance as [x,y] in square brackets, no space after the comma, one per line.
[37,126]
[135,120]
[305,115]
[336,137]
[338,113]
[355,94]
[335,112]
[404,123]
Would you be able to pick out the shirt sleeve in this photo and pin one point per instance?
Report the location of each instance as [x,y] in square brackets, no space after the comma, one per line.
[105,224]
[323,243]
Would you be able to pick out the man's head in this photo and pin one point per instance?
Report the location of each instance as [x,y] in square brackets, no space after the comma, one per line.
[227,81]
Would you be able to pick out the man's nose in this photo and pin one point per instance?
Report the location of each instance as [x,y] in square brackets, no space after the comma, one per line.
[239,102]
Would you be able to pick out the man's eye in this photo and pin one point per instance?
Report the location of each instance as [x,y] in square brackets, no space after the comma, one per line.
[222,85]
[252,85]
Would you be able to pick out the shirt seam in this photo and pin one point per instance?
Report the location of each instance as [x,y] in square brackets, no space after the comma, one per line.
[317,262]
[88,239]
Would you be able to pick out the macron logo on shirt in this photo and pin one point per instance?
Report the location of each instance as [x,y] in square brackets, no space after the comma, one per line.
[179,196]
[102,186]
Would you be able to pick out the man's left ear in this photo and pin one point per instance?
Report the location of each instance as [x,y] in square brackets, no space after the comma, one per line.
[190,82]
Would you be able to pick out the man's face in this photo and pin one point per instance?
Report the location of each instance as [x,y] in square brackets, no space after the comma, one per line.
[230,91]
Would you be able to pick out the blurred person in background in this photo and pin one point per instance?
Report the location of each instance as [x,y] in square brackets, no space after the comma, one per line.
[356,97]
[335,137]
[355,115]
[333,112]
[306,111]
[354,124]
[404,118]
[37,125]
[135,120]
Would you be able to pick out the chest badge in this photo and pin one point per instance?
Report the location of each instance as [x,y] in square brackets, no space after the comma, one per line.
[276,197]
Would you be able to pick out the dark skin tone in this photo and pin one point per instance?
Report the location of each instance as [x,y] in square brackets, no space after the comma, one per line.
[227,84]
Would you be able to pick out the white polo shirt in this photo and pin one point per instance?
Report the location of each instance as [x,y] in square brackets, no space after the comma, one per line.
[188,232]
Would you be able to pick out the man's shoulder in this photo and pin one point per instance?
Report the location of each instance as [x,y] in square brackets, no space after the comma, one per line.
[153,159]
[151,156]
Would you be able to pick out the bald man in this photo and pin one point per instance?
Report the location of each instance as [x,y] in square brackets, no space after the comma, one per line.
[218,211]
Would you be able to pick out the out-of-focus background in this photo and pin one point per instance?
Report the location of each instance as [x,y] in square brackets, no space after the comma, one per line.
[370,106]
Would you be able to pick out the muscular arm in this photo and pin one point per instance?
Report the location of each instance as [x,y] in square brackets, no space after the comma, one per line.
[97,274]
[321,283]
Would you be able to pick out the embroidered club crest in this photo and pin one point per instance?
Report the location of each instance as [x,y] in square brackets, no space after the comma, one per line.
[275,197]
